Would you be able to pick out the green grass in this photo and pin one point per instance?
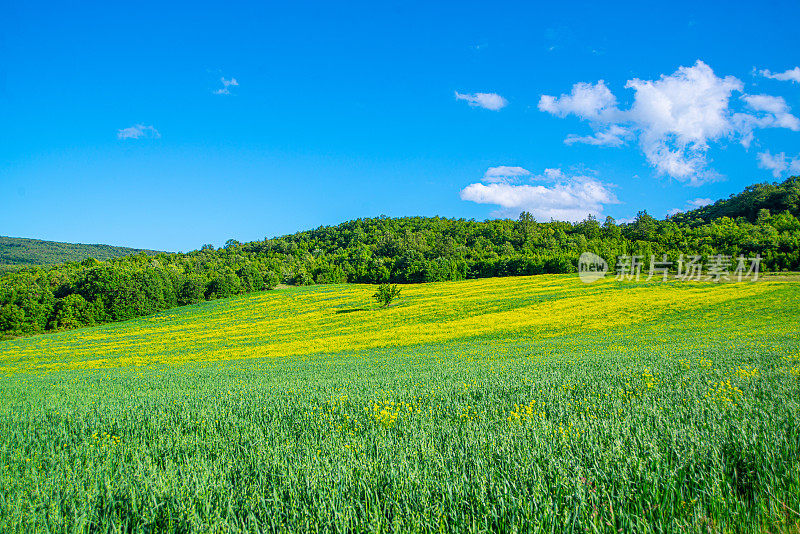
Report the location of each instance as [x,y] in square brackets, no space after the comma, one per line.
[683,420]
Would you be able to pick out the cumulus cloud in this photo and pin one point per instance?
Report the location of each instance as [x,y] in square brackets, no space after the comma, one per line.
[587,101]
[678,115]
[491,101]
[224,90]
[569,198]
[138,131]
[674,119]
[792,75]
[779,163]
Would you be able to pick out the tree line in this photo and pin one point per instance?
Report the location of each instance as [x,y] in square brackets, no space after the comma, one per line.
[762,220]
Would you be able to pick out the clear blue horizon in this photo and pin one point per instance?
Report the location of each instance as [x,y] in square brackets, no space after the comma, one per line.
[170,126]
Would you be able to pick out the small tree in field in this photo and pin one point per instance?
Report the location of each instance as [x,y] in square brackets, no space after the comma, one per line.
[386,293]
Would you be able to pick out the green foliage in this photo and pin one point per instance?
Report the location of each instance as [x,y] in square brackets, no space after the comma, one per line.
[271,280]
[761,220]
[73,311]
[192,290]
[386,293]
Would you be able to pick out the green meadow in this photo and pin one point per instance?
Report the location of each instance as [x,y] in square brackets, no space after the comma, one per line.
[530,404]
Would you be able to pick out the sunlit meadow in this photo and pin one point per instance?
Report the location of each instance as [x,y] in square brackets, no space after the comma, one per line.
[517,404]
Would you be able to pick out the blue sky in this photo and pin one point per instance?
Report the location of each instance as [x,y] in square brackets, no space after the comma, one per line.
[122,124]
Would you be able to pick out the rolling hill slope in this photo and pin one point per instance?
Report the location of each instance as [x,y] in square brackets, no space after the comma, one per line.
[517,404]
[297,322]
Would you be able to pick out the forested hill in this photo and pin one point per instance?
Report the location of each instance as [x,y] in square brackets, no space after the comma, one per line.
[776,198]
[761,220]
[16,251]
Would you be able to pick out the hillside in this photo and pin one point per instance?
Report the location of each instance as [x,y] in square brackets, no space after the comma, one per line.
[515,404]
[398,250]
[296,322]
[775,198]
[18,251]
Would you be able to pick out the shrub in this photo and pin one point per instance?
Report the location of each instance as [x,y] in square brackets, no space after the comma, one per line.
[386,293]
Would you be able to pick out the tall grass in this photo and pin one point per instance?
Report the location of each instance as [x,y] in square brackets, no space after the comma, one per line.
[674,422]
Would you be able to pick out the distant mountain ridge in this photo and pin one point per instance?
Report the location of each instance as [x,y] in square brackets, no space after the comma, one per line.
[20,251]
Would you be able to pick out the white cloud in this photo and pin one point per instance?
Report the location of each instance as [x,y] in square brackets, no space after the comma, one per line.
[778,163]
[674,118]
[138,131]
[775,113]
[771,104]
[552,174]
[678,115]
[700,202]
[491,101]
[587,101]
[614,135]
[225,85]
[504,174]
[567,198]
[789,75]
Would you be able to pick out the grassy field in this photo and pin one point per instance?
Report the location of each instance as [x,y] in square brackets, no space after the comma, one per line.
[534,404]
